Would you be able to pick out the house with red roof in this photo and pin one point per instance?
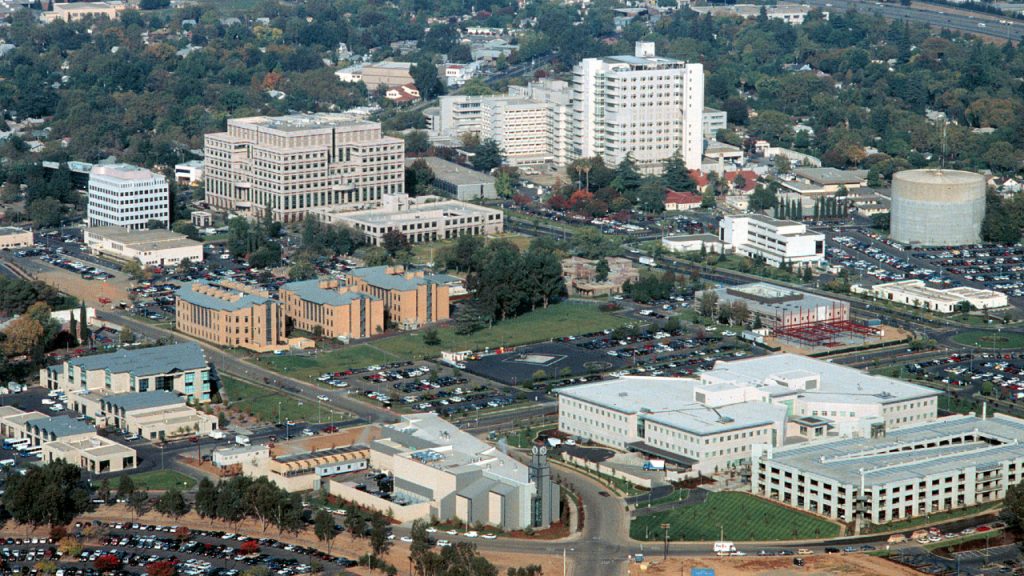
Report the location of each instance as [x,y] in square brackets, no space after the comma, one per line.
[679,201]
[749,180]
[404,93]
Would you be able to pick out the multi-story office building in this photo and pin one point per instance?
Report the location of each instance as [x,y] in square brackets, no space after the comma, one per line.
[338,310]
[291,164]
[411,298]
[127,196]
[642,105]
[927,468]
[179,368]
[779,242]
[419,219]
[709,424]
[226,315]
[713,121]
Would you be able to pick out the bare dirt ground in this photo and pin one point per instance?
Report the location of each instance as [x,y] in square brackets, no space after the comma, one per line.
[891,335]
[844,565]
[89,291]
[347,437]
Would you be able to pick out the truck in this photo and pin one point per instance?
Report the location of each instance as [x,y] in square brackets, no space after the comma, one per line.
[647,261]
[724,548]
[654,464]
[242,440]
[554,442]
[217,434]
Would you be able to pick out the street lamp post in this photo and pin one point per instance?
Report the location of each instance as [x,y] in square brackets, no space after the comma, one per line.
[665,528]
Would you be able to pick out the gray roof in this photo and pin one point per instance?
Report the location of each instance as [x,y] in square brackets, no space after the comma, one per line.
[61,426]
[146,361]
[9,230]
[378,276]
[898,458]
[188,294]
[831,176]
[453,173]
[311,291]
[141,400]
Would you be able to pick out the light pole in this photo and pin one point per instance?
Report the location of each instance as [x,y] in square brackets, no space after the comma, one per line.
[665,528]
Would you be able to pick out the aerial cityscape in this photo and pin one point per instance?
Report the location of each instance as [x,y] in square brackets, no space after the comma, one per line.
[537,287]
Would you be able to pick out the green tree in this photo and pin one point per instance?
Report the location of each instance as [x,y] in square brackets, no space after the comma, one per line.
[172,503]
[379,532]
[488,156]
[187,228]
[707,199]
[676,176]
[206,498]
[52,494]
[301,269]
[325,528]
[45,212]
[601,270]
[416,142]
[627,179]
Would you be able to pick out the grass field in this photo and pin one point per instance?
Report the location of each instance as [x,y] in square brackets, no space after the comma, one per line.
[543,324]
[265,403]
[742,516]
[163,480]
[929,519]
[309,367]
[990,340]
[675,496]
[431,252]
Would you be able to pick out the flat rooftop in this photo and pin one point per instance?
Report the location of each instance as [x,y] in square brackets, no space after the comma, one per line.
[414,212]
[453,173]
[60,426]
[142,240]
[831,176]
[899,456]
[299,122]
[123,171]
[146,361]
[384,277]
[131,401]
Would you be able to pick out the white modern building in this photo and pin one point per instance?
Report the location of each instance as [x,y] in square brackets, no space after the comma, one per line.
[147,247]
[926,468]
[419,219]
[713,121]
[127,196]
[641,105]
[943,300]
[291,164]
[189,173]
[709,424]
[789,13]
[779,242]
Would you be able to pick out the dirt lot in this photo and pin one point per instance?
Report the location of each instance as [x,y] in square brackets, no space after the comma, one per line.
[88,290]
[359,435]
[891,335]
[846,565]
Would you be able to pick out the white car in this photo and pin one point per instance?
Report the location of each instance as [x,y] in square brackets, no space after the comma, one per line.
[46,401]
[323,398]
[488,536]
[406,539]
[471,534]
[431,530]
[443,543]
[452,532]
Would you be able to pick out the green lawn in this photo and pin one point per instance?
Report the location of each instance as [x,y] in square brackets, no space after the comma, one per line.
[742,516]
[675,496]
[270,405]
[562,319]
[162,480]
[743,264]
[524,438]
[990,340]
[309,367]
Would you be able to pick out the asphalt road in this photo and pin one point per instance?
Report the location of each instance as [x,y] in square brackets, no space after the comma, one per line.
[932,15]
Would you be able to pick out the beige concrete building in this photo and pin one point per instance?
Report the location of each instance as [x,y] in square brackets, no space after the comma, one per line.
[942,300]
[64,438]
[158,415]
[95,454]
[150,248]
[11,237]
[70,12]
[419,219]
[227,316]
[580,275]
[306,471]
[412,298]
[179,368]
[339,310]
[386,74]
[292,164]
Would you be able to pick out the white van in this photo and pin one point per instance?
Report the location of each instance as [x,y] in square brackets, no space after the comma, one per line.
[7,463]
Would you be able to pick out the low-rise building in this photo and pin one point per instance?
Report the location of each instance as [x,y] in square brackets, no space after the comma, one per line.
[202,219]
[778,242]
[826,181]
[680,201]
[64,438]
[189,173]
[915,471]
[412,298]
[73,11]
[693,243]
[11,238]
[338,310]
[789,13]
[780,307]
[150,248]
[916,293]
[419,219]
[463,183]
[580,276]
[387,74]
[230,314]
[179,368]
[709,424]
[304,471]
[158,415]
[443,472]
[227,456]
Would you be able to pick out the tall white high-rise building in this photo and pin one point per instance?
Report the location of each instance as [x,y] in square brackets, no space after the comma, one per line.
[127,196]
[643,105]
[291,164]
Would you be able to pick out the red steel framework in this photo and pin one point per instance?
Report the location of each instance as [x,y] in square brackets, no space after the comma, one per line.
[819,332]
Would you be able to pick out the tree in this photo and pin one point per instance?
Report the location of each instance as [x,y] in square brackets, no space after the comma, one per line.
[138,502]
[107,563]
[24,336]
[416,141]
[51,494]
[125,488]
[395,243]
[424,74]
[187,228]
[45,212]
[103,492]
[162,568]
[488,156]
[707,199]
[135,270]
[250,548]
[154,224]
[206,498]
[676,176]
[379,532]
[301,269]
[172,503]
[1013,507]
[431,338]
[708,303]
[418,176]
[781,164]
[627,178]
[325,528]
[763,198]
[601,270]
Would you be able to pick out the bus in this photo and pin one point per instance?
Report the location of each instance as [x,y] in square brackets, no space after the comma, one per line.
[30,451]
[15,443]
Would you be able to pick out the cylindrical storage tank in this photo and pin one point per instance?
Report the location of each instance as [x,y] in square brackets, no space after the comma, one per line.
[937,207]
